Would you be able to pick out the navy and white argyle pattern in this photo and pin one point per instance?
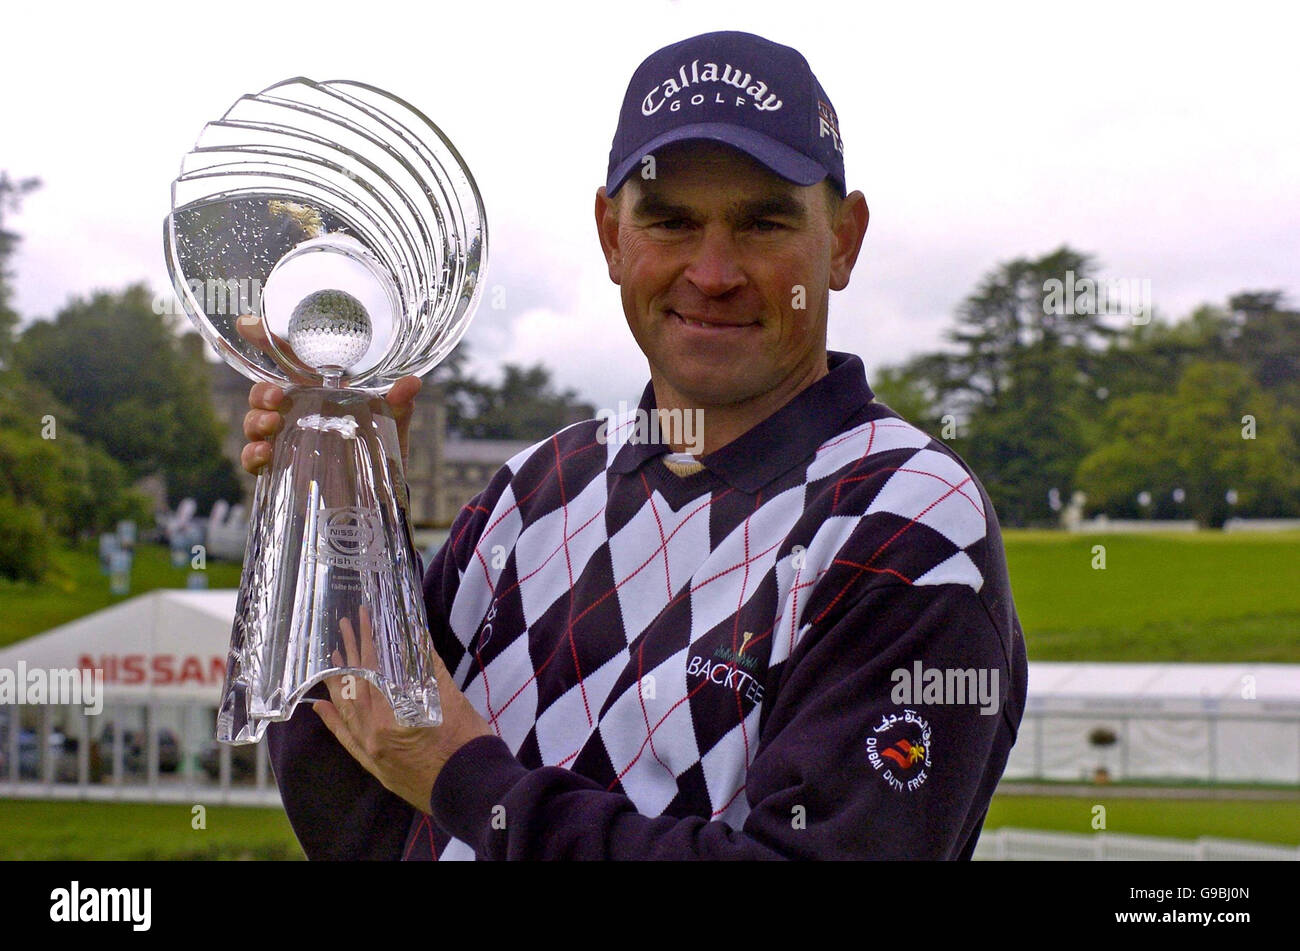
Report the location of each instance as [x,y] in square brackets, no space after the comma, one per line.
[631,624]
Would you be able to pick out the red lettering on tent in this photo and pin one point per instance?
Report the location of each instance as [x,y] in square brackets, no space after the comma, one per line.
[133,669]
[163,669]
[191,669]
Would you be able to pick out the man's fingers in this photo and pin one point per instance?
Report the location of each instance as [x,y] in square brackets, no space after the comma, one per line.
[402,395]
[261,424]
[440,672]
[369,658]
[266,396]
[350,651]
[402,399]
[350,695]
[354,651]
[253,329]
[254,456]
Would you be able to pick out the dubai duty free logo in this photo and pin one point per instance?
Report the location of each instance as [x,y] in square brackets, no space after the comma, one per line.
[898,749]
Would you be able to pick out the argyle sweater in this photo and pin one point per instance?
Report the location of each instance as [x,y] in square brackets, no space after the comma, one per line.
[738,663]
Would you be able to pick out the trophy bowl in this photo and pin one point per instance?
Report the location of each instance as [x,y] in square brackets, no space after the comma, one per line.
[327,237]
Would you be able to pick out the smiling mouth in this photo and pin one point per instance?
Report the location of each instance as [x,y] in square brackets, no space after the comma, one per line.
[710,325]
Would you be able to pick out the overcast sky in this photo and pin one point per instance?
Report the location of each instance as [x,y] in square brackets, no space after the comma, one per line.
[1161,138]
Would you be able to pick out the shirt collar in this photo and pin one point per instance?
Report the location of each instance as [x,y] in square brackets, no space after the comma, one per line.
[776,445]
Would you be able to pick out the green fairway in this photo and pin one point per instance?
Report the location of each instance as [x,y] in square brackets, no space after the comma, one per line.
[77,588]
[1208,596]
[31,829]
[1272,821]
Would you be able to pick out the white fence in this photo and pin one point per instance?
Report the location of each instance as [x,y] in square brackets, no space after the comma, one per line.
[1262,525]
[1104,525]
[130,753]
[1034,845]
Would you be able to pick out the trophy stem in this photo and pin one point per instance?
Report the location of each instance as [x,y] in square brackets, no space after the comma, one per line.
[330,583]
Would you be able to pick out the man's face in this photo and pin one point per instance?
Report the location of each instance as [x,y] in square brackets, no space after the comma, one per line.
[725,271]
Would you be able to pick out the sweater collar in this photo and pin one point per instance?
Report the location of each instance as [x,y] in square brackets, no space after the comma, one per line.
[779,443]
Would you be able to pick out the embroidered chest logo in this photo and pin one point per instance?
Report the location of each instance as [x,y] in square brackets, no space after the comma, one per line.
[898,749]
[732,669]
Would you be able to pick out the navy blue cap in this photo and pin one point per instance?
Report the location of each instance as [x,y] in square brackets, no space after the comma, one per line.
[738,89]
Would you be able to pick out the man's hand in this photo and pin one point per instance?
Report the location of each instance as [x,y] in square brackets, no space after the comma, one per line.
[263,419]
[407,760]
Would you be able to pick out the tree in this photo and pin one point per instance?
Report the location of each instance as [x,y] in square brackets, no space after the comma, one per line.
[1217,431]
[52,484]
[1011,314]
[133,389]
[1023,379]
[11,195]
[1266,340]
[908,390]
[525,406]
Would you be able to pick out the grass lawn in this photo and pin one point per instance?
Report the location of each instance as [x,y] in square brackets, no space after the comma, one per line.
[77,588]
[94,831]
[1208,596]
[1272,821]
[31,829]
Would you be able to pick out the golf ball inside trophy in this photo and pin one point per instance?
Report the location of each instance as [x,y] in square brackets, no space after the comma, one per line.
[330,330]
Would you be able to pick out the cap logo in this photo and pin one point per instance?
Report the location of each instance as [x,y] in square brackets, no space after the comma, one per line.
[828,124]
[732,76]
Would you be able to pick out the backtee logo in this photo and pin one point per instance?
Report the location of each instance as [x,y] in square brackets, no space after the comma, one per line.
[729,668]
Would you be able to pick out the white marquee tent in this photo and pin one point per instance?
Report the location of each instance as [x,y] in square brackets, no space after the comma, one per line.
[163,658]
[162,646]
[1170,721]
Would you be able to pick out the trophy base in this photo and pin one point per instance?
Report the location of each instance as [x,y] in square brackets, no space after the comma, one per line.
[330,585]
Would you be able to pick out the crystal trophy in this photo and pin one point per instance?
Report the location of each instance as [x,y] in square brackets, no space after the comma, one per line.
[347,226]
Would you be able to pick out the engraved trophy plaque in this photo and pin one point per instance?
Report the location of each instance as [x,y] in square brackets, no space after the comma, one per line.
[343,220]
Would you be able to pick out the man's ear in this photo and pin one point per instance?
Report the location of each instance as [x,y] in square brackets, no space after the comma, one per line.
[849,228]
[607,231]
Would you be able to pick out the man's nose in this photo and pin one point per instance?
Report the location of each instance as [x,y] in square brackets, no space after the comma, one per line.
[715,267]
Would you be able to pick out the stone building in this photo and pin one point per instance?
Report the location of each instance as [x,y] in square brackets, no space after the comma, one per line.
[467,466]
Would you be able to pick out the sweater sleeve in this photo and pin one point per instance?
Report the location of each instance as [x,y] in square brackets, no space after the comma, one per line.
[336,808]
[851,763]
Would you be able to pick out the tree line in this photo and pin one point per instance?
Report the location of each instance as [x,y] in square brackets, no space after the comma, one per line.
[1196,419]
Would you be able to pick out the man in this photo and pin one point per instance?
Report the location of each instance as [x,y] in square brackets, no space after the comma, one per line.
[797,642]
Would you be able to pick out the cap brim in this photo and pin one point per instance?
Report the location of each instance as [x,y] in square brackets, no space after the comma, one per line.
[780,158]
